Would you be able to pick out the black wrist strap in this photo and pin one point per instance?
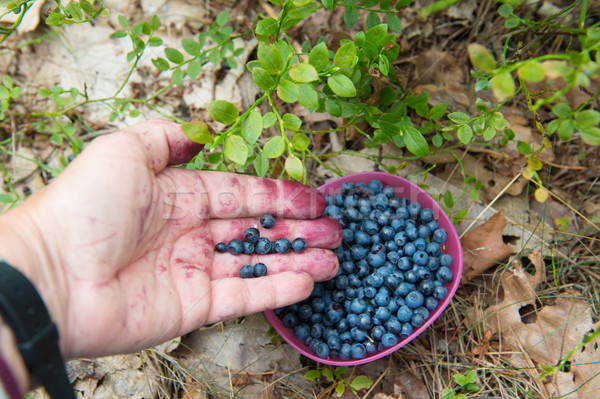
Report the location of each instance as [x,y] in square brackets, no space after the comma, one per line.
[24,311]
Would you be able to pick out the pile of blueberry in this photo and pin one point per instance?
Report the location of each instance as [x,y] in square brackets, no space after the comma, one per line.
[254,243]
[392,275]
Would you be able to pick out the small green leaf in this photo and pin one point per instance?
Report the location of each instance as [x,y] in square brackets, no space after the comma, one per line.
[198,132]
[524,147]
[267,27]
[174,55]
[6,198]
[154,22]
[262,78]
[222,17]
[191,46]
[329,4]
[489,133]
[465,134]
[223,111]
[261,165]
[372,20]
[565,129]
[339,389]
[438,111]
[350,17]
[252,127]
[562,110]
[361,382]
[394,23]
[459,118]
[155,41]
[591,135]
[481,57]
[312,375]
[294,168]
[291,122]
[512,22]
[319,56]
[118,34]
[587,118]
[505,10]
[274,147]
[384,67]
[449,200]
[415,142]
[288,91]
[300,142]
[503,86]
[270,58]
[160,63]
[235,149]
[177,76]
[341,85]
[307,96]
[378,36]
[534,163]
[194,69]
[269,120]
[532,71]
[87,7]
[345,55]
[74,10]
[303,73]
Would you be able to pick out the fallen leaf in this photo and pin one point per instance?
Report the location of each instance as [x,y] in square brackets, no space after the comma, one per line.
[409,386]
[483,246]
[534,335]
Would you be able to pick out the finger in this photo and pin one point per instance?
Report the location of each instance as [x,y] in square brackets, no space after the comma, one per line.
[318,233]
[232,196]
[235,297]
[321,264]
[162,142]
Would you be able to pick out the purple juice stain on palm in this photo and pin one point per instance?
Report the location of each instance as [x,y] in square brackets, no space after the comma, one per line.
[302,201]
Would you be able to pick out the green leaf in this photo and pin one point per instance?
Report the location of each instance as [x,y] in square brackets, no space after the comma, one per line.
[489,133]
[274,147]
[252,127]
[235,149]
[307,96]
[532,71]
[512,22]
[378,36]
[562,110]
[350,17]
[319,56]
[261,165]
[449,199]
[438,111]
[194,69]
[587,118]
[300,142]
[269,120]
[345,55]
[74,10]
[288,91]
[155,41]
[267,27]
[361,382]
[329,4]
[303,73]
[333,107]
[6,198]
[459,117]
[481,57]
[291,122]
[154,22]
[222,17]
[118,34]
[415,142]
[177,76]
[394,23]
[591,135]
[262,78]
[341,85]
[384,66]
[223,111]
[87,7]
[174,55]
[270,58]
[372,20]
[160,63]
[465,134]
[191,46]
[524,147]
[505,10]
[565,129]
[339,389]
[198,132]
[294,168]
[312,375]
[503,86]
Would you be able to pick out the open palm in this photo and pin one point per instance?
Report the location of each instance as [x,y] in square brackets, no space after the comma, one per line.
[131,241]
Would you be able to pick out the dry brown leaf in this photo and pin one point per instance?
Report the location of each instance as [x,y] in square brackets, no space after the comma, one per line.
[409,386]
[483,246]
[548,334]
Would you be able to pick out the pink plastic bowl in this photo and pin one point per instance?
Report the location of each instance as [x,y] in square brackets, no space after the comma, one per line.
[404,188]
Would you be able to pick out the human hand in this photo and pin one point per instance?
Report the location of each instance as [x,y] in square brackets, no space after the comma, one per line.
[120,246]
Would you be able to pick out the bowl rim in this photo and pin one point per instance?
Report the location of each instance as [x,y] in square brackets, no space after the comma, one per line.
[457,268]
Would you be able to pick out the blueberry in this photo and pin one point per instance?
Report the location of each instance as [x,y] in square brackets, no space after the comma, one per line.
[328,200]
[263,246]
[380,202]
[431,303]
[414,209]
[352,319]
[392,246]
[393,257]
[414,299]
[423,231]
[417,320]
[370,226]
[251,235]
[440,236]
[360,189]
[247,271]
[301,331]
[346,187]
[420,258]
[267,221]
[352,215]
[423,312]
[260,270]
[346,351]
[351,202]
[434,249]
[321,350]
[387,233]
[358,252]
[402,290]
[405,263]
[375,186]
[382,299]
[362,238]
[426,287]
[362,268]
[389,340]
[406,331]
[404,314]
[347,267]
[316,330]
[358,335]
[433,225]
[331,210]
[444,274]
[376,258]
[334,342]
[446,260]
[426,215]
[317,304]
[221,247]
[411,232]
[348,236]
[342,326]
[370,292]
[389,192]
[290,320]
[382,314]
[393,325]
[339,200]
[248,248]
[401,239]
[282,245]
[334,312]
[364,321]
[420,244]
[409,249]
[358,351]
[299,244]
[354,281]
[440,292]
[402,212]
[433,263]
[370,347]
[235,247]
[374,280]
[358,306]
